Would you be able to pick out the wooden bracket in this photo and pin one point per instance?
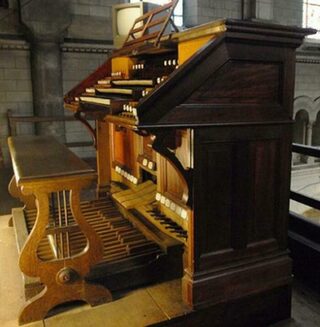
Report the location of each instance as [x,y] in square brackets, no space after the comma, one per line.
[164,143]
[92,131]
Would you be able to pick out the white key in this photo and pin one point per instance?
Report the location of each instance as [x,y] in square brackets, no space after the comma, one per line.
[134,111]
[158,196]
[167,203]
[178,210]
[173,206]
[150,165]
[145,162]
[163,199]
[184,214]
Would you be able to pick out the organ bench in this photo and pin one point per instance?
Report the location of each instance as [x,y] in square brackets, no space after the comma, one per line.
[58,177]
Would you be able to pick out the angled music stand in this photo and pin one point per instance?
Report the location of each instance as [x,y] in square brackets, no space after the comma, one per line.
[148,21]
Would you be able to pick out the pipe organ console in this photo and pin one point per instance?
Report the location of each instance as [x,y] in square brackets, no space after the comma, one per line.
[193,139]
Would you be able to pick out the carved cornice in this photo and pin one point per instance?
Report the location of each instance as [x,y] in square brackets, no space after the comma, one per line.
[309,52]
[86,48]
[305,60]
[7,43]
[11,44]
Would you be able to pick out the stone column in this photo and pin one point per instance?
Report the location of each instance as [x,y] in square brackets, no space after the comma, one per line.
[257,9]
[46,21]
[310,160]
[309,133]
[191,13]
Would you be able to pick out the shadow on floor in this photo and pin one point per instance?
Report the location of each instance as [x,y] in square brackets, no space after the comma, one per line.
[7,202]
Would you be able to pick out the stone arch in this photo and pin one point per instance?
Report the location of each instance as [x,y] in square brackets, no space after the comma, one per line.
[305,103]
[317,104]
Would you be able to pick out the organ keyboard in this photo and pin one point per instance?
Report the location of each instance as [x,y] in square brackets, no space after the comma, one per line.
[193,138]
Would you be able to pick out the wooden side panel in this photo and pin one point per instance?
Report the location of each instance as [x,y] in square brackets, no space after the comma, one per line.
[147,148]
[237,244]
[265,173]
[240,204]
[169,181]
[103,156]
[122,65]
[242,82]
[124,149]
[189,47]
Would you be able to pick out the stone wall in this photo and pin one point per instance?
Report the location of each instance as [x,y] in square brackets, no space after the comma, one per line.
[16,87]
[76,66]
[88,39]
[91,19]
[288,12]
[307,79]
[15,90]
[203,11]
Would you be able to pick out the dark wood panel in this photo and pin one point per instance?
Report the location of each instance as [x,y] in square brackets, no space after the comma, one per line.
[124,149]
[241,82]
[170,182]
[240,178]
[216,181]
[265,155]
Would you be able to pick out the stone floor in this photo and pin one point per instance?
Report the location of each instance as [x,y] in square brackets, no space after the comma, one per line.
[140,306]
[6,201]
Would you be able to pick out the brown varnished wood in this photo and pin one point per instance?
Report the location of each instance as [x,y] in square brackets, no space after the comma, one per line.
[103,157]
[28,150]
[15,191]
[64,278]
[220,124]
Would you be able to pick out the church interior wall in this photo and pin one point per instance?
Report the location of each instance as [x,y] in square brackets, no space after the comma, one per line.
[88,41]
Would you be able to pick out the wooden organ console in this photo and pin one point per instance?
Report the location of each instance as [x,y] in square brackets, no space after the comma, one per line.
[193,139]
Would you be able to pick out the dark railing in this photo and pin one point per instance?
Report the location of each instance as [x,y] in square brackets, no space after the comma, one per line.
[13,121]
[304,234]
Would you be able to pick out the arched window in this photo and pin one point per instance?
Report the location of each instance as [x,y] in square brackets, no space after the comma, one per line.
[178,12]
[311,15]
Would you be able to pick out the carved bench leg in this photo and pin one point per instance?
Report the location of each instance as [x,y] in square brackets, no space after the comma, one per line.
[38,307]
[63,277]
[15,192]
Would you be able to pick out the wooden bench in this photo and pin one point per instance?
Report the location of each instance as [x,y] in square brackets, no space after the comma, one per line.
[48,177]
